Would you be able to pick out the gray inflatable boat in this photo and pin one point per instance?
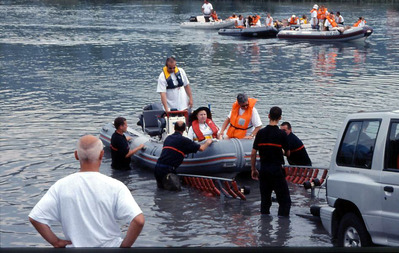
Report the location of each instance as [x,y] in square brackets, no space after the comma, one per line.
[230,156]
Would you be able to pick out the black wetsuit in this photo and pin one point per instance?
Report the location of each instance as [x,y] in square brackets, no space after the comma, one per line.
[175,148]
[270,141]
[119,150]
[298,154]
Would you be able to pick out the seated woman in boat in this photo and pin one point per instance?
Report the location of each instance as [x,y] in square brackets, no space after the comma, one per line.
[360,22]
[240,22]
[202,126]
[339,19]
[214,16]
[293,20]
[331,25]
[256,21]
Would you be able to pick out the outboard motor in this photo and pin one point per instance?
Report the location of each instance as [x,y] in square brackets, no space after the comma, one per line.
[193,19]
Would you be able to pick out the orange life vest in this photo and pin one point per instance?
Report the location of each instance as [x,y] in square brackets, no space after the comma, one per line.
[240,26]
[197,130]
[255,20]
[237,130]
[332,21]
[214,16]
[321,13]
[358,23]
[294,21]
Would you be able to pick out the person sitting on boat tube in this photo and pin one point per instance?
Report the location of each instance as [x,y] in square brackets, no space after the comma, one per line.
[331,25]
[360,22]
[314,22]
[269,20]
[174,87]
[214,16]
[240,22]
[243,120]
[293,20]
[207,10]
[303,20]
[175,148]
[256,21]
[202,125]
[339,19]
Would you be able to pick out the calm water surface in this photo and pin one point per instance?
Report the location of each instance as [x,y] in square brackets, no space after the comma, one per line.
[67,68]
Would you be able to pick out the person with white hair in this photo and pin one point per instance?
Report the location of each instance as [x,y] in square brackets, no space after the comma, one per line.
[88,205]
[314,22]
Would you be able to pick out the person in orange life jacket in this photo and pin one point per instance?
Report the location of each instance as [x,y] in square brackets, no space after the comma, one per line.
[293,20]
[243,120]
[330,23]
[314,22]
[360,22]
[298,154]
[202,126]
[272,144]
[175,147]
[269,20]
[120,152]
[174,87]
[256,21]
[321,16]
[240,22]
[214,16]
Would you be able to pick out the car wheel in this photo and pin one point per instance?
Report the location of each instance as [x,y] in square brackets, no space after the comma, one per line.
[352,232]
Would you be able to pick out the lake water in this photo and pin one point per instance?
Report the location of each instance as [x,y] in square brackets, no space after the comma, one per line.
[69,67]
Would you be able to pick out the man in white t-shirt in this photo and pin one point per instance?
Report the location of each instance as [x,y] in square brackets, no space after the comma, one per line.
[88,205]
[243,120]
[207,10]
[269,21]
[174,87]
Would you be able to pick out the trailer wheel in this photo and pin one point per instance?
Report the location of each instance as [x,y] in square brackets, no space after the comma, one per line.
[352,232]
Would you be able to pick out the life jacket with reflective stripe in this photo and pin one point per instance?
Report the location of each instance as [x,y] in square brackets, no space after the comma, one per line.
[199,134]
[175,149]
[239,130]
[169,81]
[332,21]
[293,21]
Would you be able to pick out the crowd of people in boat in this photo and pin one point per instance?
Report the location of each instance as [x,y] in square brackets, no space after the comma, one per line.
[320,19]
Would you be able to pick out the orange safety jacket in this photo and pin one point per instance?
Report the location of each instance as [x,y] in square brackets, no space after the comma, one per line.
[199,134]
[239,123]
[332,21]
[255,20]
[358,22]
[321,13]
[214,16]
[293,21]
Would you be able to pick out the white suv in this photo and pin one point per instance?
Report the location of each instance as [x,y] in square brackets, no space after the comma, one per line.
[362,186]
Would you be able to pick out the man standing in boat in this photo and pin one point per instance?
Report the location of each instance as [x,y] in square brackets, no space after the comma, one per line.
[298,154]
[243,121]
[120,150]
[175,148]
[207,10]
[174,87]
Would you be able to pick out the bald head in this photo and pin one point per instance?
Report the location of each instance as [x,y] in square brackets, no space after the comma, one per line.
[89,149]
[180,126]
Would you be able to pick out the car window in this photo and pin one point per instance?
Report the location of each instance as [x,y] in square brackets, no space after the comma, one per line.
[357,147]
[392,149]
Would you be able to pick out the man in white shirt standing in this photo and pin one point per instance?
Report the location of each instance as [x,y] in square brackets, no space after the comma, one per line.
[174,87]
[207,10]
[88,205]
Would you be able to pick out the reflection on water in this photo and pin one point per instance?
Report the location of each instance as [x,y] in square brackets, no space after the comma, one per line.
[69,67]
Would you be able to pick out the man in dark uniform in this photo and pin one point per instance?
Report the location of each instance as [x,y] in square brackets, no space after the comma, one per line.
[298,154]
[271,142]
[175,148]
[120,152]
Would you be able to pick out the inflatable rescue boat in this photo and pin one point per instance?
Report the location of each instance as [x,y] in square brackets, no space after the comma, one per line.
[257,32]
[200,23]
[230,156]
[353,33]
